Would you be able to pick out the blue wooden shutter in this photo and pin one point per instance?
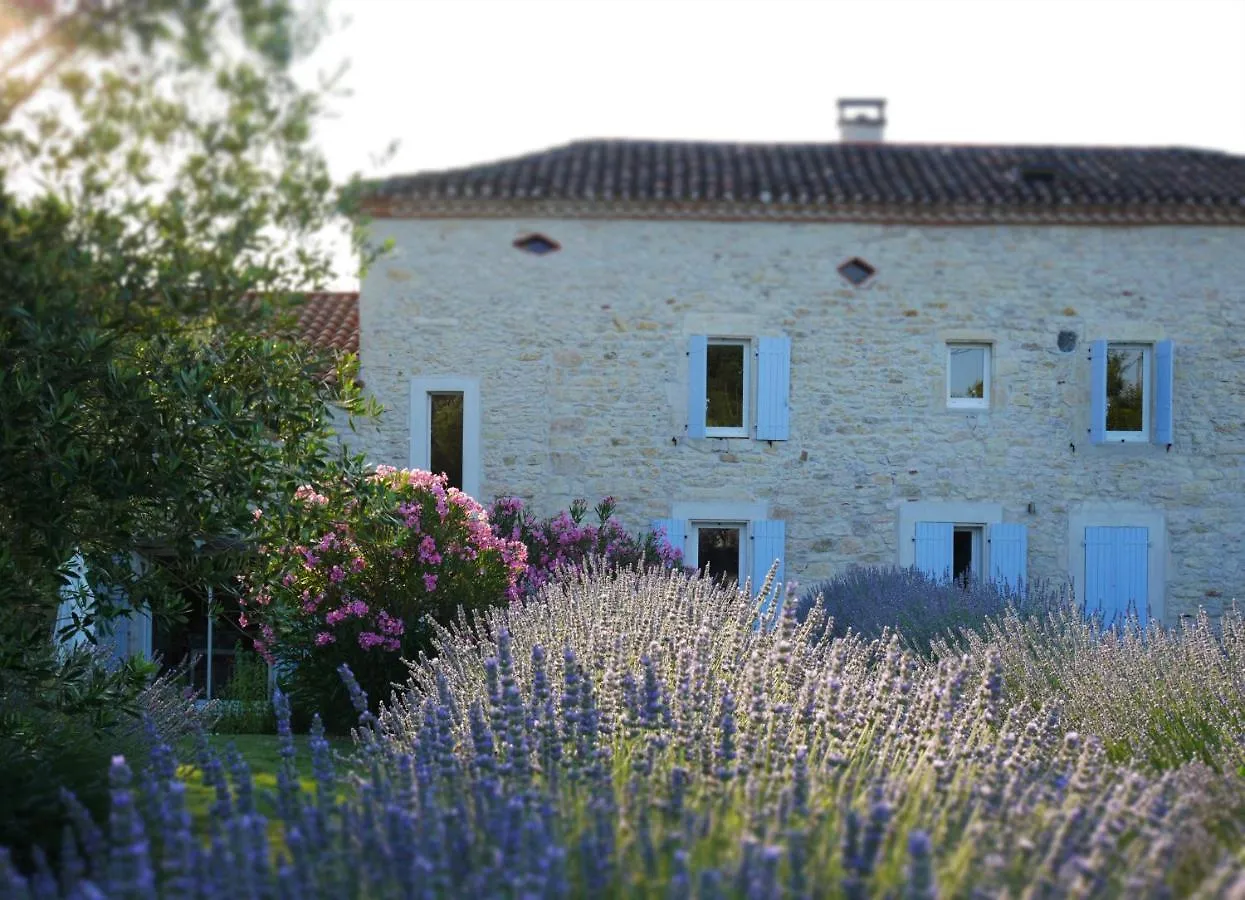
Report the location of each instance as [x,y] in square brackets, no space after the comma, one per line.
[1117,569]
[1099,589]
[1133,570]
[933,548]
[674,531]
[1009,554]
[1098,392]
[768,544]
[773,388]
[1164,351]
[697,384]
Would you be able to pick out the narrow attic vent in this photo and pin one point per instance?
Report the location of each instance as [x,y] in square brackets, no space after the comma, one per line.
[537,244]
[857,271]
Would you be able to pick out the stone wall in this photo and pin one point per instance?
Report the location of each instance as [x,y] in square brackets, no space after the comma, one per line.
[581,356]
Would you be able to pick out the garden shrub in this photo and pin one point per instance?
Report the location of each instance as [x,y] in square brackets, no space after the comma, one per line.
[354,572]
[245,704]
[1158,697]
[565,542]
[872,599]
[61,720]
[635,735]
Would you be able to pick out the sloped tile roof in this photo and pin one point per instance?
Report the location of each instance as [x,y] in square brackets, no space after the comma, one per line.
[330,320]
[857,181]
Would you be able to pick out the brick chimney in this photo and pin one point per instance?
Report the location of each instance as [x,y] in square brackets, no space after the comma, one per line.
[861,120]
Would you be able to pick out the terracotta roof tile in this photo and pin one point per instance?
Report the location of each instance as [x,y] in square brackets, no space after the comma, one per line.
[869,181]
[330,320]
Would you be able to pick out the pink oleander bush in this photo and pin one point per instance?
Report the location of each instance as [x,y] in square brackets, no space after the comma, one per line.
[566,542]
[355,572]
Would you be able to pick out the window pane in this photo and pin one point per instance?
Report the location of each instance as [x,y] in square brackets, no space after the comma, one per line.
[725,386]
[1126,378]
[962,554]
[446,441]
[718,551]
[968,373]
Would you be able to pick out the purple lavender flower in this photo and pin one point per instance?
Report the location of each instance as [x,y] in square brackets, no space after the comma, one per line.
[725,756]
[129,861]
[477,781]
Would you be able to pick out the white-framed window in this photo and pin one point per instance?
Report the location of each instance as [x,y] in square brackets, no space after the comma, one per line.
[963,540]
[445,429]
[718,548]
[738,387]
[728,387]
[1128,392]
[968,375]
[1117,557]
[1131,392]
[968,549]
[729,537]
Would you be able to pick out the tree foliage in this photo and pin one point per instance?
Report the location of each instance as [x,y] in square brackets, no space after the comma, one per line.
[162,205]
[159,165]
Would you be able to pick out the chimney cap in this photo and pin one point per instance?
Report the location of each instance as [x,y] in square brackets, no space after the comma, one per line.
[868,110]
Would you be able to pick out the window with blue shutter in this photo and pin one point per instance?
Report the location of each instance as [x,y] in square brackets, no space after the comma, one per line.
[1164,351]
[1117,565]
[768,545]
[1009,554]
[1098,392]
[673,532]
[933,548]
[697,384]
[773,388]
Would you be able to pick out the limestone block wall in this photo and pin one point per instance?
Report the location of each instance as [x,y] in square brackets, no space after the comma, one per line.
[582,368]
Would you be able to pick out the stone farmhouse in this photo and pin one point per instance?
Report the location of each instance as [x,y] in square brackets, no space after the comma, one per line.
[1013,363]
[1008,362]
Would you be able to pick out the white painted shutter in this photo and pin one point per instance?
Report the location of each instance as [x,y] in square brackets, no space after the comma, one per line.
[769,544]
[932,551]
[773,388]
[697,384]
[1009,553]
[114,635]
[76,599]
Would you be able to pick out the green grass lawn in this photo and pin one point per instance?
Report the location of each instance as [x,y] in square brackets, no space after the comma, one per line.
[260,752]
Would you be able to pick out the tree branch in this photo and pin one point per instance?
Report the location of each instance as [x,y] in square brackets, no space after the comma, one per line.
[18,98]
[38,44]
[87,18]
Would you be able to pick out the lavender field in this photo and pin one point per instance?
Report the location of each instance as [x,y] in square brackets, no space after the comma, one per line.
[638,736]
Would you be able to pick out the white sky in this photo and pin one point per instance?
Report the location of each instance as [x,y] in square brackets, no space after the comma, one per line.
[469,81]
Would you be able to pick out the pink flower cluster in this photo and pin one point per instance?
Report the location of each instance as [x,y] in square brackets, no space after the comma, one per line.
[565,541]
[367,564]
[389,625]
[308,494]
[369,640]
